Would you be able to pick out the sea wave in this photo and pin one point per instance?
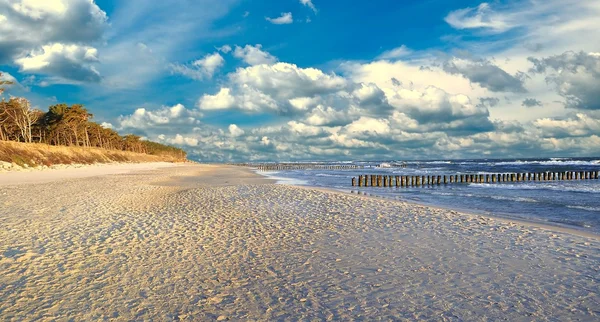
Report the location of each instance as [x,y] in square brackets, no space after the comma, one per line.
[550,162]
[594,209]
[327,175]
[495,197]
[542,186]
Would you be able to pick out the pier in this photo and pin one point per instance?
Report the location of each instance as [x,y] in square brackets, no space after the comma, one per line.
[431,180]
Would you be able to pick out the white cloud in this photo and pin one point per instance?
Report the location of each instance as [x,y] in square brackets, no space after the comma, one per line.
[480,17]
[71,62]
[203,68]
[37,9]
[52,37]
[166,118]
[395,53]
[579,125]
[284,19]
[235,131]
[253,55]
[285,80]
[181,140]
[224,49]
[107,125]
[220,101]
[309,4]
[368,125]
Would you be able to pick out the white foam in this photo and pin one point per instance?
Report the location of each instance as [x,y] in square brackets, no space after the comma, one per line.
[594,209]
[282,180]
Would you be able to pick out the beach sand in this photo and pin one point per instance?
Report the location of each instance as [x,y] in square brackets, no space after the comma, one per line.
[209,242]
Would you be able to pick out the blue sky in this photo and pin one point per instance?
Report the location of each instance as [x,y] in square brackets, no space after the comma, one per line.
[232,80]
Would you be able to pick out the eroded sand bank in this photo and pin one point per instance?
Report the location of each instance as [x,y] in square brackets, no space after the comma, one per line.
[210,243]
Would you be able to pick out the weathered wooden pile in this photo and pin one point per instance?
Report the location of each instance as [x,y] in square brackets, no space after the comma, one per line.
[427,180]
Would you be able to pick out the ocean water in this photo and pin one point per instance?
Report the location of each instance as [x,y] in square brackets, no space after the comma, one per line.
[573,204]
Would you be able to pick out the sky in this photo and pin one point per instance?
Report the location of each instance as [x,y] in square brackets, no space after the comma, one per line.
[293,80]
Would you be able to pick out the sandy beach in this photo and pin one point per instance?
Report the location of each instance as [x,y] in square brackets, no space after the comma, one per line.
[205,242]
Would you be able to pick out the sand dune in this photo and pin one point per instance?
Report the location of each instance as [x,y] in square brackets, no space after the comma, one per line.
[219,243]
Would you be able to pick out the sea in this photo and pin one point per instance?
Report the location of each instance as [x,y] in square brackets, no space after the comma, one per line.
[572,204]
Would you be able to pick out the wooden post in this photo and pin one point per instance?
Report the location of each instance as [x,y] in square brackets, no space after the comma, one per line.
[385,181]
[596,174]
[360,180]
[397,181]
[445,180]
[353,181]
[417,180]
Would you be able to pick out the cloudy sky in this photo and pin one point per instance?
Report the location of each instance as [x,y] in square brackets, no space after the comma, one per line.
[234,80]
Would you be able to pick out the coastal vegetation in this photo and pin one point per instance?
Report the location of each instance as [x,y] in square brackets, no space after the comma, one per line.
[71,128]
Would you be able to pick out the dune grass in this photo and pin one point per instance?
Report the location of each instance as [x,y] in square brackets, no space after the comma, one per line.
[39,154]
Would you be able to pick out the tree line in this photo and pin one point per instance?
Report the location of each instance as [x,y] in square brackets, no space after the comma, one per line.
[68,125]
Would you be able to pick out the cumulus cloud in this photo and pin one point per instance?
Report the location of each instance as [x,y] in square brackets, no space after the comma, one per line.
[166,119]
[575,75]
[253,55]
[203,68]
[531,102]
[181,140]
[71,62]
[284,19]
[485,74]
[52,37]
[281,88]
[288,80]
[235,131]
[579,125]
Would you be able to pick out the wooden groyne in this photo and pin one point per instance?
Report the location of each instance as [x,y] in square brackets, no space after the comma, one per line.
[298,166]
[430,180]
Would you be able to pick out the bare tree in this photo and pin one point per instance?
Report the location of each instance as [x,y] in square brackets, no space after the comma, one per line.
[18,113]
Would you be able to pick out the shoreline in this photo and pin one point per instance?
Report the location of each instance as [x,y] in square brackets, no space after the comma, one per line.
[471,212]
[65,172]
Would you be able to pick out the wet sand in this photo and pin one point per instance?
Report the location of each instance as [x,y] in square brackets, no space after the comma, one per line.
[221,243]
